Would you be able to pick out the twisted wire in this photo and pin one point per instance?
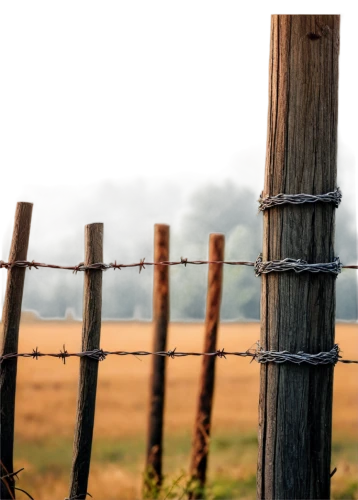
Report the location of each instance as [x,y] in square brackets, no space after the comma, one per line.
[258,354]
[334,197]
[101,266]
[260,267]
[298,266]
[322,358]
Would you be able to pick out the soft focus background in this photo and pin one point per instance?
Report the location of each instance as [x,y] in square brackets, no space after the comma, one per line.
[129,215]
[195,201]
[46,413]
[131,114]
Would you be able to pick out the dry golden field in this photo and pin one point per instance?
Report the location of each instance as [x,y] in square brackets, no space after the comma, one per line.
[46,411]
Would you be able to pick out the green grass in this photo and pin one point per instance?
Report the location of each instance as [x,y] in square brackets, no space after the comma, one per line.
[349,492]
[232,464]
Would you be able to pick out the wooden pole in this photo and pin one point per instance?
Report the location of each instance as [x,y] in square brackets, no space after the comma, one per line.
[153,476]
[10,339]
[201,437]
[298,310]
[91,331]
[2,291]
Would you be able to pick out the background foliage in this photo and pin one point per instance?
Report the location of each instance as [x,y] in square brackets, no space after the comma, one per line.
[128,211]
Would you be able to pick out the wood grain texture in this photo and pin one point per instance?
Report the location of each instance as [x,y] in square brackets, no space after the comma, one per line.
[10,337]
[157,380]
[201,435]
[91,331]
[298,311]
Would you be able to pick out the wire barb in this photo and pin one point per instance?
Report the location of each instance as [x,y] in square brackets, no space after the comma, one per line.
[258,354]
[259,266]
[8,480]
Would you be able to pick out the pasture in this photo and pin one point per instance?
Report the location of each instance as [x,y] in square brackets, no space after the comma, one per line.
[46,412]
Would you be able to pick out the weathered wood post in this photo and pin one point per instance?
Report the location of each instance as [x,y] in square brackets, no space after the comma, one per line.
[10,339]
[153,475]
[91,331]
[298,310]
[201,436]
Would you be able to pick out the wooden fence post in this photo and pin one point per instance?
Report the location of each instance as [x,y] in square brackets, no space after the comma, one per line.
[153,475]
[298,310]
[201,436]
[10,338]
[91,331]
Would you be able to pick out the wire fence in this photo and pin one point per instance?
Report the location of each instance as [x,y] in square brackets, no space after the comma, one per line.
[256,353]
[298,265]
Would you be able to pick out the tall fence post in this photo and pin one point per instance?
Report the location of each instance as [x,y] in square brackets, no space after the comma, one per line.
[10,339]
[201,436]
[153,475]
[298,310]
[91,331]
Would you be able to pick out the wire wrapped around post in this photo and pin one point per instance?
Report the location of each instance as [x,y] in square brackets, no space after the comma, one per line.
[266,202]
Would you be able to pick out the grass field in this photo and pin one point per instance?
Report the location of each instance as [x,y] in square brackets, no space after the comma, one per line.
[46,412]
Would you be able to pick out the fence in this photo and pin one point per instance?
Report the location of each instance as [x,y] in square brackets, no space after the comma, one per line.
[297,299]
[91,352]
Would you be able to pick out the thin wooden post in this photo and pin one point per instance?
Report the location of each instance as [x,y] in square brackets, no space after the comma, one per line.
[201,436]
[298,310]
[153,476]
[91,331]
[10,339]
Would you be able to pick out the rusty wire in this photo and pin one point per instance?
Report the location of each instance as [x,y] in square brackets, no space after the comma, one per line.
[11,475]
[8,480]
[260,267]
[258,354]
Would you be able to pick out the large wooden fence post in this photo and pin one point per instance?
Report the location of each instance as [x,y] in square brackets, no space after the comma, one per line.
[91,331]
[298,310]
[10,339]
[201,437]
[153,476]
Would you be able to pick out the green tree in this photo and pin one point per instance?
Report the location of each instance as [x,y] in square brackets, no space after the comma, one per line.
[233,211]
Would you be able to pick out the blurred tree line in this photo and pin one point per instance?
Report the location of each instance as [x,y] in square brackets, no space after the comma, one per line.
[227,209]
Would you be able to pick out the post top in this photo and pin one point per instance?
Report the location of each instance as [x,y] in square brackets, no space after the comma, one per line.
[25,203]
[161,224]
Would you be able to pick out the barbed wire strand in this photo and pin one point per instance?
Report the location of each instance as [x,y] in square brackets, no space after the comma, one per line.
[334,197]
[258,354]
[299,266]
[14,475]
[11,476]
[263,267]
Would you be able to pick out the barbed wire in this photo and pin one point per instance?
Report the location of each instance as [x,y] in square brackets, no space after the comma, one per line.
[8,480]
[141,264]
[258,354]
[113,265]
[299,266]
[297,199]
